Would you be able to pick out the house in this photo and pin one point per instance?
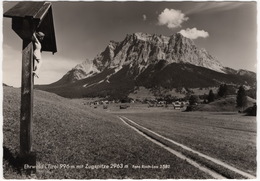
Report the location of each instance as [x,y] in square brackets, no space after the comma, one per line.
[177,105]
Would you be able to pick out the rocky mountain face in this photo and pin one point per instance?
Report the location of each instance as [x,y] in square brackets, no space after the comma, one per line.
[146,60]
[139,50]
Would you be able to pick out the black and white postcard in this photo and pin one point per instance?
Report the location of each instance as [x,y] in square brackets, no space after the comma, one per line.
[129,89]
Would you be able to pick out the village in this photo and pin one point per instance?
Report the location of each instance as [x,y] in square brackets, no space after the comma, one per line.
[178,104]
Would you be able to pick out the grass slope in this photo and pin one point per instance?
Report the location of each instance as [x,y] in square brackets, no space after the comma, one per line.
[227,104]
[67,132]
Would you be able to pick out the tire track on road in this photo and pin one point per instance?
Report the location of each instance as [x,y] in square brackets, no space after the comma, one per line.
[210,172]
[216,161]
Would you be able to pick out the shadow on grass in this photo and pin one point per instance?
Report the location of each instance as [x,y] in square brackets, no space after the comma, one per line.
[15,162]
[225,113]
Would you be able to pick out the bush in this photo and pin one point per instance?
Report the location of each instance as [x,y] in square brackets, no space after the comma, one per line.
[251,111]
[190,108]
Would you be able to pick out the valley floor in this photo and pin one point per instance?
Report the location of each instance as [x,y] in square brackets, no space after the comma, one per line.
[229,137]
[102,146]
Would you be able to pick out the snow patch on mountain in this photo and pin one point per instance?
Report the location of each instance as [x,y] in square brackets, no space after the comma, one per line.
[84,70]
[87,85]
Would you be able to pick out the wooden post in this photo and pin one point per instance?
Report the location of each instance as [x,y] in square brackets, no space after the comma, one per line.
[26,98]
[26,117]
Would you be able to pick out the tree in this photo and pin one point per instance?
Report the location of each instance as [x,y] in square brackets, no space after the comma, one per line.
[211,96]
[222,91]
[225,90]
[241,97]
[193,99]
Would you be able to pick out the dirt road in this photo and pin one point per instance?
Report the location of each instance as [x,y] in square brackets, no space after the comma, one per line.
[153,137]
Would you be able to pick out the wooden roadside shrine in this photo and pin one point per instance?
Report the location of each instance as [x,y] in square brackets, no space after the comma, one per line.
[27,18]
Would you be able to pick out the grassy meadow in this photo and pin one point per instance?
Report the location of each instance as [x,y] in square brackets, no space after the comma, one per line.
[229,137]
[65,131]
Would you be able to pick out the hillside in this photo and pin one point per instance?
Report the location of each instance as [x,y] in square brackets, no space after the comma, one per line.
[227,104]
[67,132]
[168,77]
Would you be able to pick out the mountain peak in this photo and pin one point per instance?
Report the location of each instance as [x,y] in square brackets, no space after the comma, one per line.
[141,35]
[139,50]
[151,37]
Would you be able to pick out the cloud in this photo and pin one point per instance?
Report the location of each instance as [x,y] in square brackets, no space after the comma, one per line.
[213,7]
[194,33]
[172,18]
[144,17]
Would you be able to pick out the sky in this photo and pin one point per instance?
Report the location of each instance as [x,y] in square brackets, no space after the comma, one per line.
[227,30]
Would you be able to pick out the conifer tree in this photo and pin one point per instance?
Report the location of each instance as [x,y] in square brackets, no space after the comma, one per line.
[241,97]
[222,91]
[211,96]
